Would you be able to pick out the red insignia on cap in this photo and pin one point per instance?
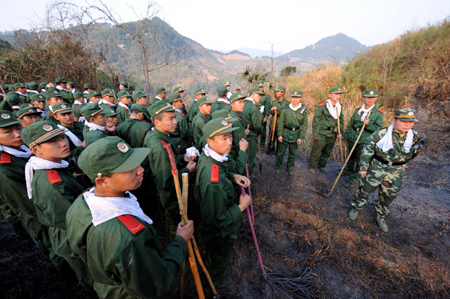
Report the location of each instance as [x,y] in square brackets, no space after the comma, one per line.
[47,127]
[131,223]
[214,173]
[53,177]
[5,159]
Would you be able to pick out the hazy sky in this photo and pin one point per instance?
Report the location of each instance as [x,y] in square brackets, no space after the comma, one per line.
[294,24]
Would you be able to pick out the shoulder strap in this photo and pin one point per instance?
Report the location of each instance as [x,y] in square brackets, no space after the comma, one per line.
[380,111]
[131,223]
[215,173]
[5,159]
[53,177]
[323,104]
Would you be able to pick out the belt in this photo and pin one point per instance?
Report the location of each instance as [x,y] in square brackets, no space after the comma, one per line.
[357,129]
[390,163]
[292,128]
[330,128]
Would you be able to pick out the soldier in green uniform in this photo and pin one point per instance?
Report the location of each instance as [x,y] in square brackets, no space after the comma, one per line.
[78,103]
[88,87]
[43,86]
[38,100]
[73,130]
[165,122]
[123,85]
[61,85]
[222,102]
[107,102]
[123,110]
[96,126]
[123,250]
[93,97]
[227,84]
[20,89]
[325,130]
[383,164]
[278,104]
[359,118]
[141,98]
[53,188]
[71,87]
[111,117]
[32,89]
[134,129]
[214,191]
[28,114]
[160,95]
[193,108]
[266,104]
[199,121]
[181,91]
[15,101]
[53,97]
[182,135]
[291,127]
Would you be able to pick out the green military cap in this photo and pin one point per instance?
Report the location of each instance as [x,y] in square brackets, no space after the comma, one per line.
[297,94]
[255,90]
[18,85]
[124,83]
[336,89]
[178,89]
[109,112]
[62,108]
[139,107]
[203,100]
[91,110]
[60,80]
[260,83]
[43,84]
[52,93]
[175,97]
[236,96]
[71,84]
[77,95]
[160,89]
[93,94]
[405,114]
[138,89]
[88,85]
[371,93]
[137,95]
[123,93]
[107,92]
[33,85]
[5,87]
[200,90]
[13,99]
[222,91]
[280,88]
[227,83]
[110,155]
[40,132]
[159,107]
[37,97]
[216,127]
[222,113]
[27,109]
[8,119]
[27,84]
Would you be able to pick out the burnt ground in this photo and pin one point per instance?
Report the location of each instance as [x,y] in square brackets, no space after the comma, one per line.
[298,229]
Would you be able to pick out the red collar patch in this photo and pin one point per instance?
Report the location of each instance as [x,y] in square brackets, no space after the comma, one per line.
[215,173]
[5,159]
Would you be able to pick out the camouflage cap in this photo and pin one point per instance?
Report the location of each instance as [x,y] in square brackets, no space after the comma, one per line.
[18,85]
[227,83]
[13,99]
[200,90]
[60,80]
[405,114]
[280,88]
[37,97]
[297,94]
[336,89]
[27,109]
[178,89]
[52,93]
[260,83]
[110,155]
[33,85]
[371,93]
[216,127]
[62,108]
[236,96]
[203,101]
[255,90]
[138,94]
[123,93]
[93,94]
[40,132]
[91,110]
[222,91]
[107,92]
[173,97]
[160,107]
[88,85]
[7,119]
[160,89]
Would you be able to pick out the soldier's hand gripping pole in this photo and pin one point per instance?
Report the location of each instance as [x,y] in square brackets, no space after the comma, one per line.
[348,157]
[184,221]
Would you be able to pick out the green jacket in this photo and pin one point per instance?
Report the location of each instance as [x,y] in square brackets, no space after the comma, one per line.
[125,263]
[220,105]
[323,122]
[215,193]
[266,101]
[182,135]
[280,105]
[198,122]
[133,131]
[106,107]
[237,134]
[396,154]
[77,129]
[193,110]
[162,171]
[355,124]
[292,119]
[50,116]
[77,108]
[253,117]
[92,136]
[122,114]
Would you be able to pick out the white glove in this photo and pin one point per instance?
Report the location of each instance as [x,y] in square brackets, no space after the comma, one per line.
[191,152]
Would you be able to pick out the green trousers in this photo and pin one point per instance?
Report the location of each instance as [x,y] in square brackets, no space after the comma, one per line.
[282,148]
[252,151]
[220,252]
[352,167]
[263,135]
[321,151]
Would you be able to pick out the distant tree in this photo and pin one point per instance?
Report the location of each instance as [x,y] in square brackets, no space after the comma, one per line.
[287,71]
